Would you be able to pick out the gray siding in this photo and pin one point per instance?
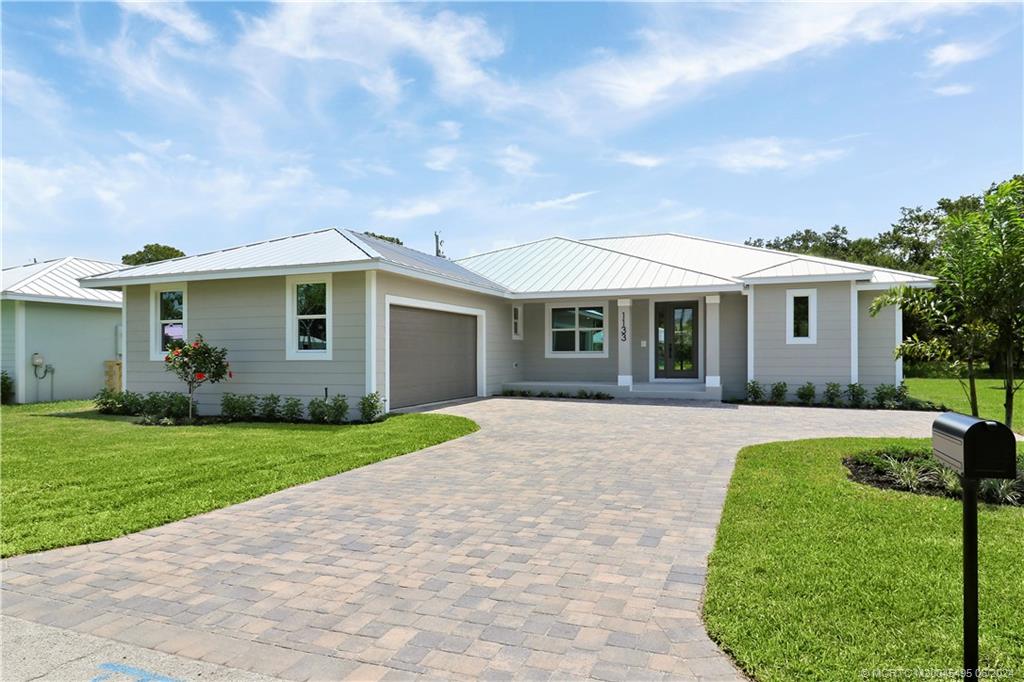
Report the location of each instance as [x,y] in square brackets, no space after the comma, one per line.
[827,360]
[733,345]
[540,368]
[247,316]
[504,356]
[877,339]
[75,339]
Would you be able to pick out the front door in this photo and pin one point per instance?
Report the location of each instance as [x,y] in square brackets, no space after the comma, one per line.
[675,340]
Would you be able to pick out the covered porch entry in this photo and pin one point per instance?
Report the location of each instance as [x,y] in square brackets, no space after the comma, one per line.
[665,346]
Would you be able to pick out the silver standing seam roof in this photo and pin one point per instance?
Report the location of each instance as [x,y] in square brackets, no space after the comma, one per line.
[57,281]
[547,267]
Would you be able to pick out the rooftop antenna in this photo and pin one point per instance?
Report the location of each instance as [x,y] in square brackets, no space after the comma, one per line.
[438,245]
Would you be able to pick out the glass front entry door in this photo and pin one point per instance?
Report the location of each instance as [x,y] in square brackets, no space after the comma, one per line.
[675,340]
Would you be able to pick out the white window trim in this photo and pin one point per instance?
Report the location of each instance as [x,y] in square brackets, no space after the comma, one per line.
[549,353]
[812,310]
[481,338]
[156,353]
[517,317]
[291,340]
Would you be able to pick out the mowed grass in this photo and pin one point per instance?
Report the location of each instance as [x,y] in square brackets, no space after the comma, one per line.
[69,475]
[990,398]
[815,577]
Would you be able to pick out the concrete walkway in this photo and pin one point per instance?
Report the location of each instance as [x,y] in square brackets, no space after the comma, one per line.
[564,540]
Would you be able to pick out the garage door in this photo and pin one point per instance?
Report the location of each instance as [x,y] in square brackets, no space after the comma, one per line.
[433,356]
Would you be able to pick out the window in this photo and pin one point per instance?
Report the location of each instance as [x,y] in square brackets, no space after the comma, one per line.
[801,316]
[576,331]
[517,323]
[168,314]
[308,318]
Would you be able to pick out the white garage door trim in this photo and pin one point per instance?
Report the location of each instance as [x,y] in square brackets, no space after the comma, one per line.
[481,337]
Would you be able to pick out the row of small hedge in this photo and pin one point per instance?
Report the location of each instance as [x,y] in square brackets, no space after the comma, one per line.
[168,407]
[885,396]
[582,394]
[272,408]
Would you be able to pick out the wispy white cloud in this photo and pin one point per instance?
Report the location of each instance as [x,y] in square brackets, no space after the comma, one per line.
[952,54]
[450,130]
[33,95]
[175,15]
[368,38]
[362,168]
[561,202]
[516,161]
[764,153]
[640,160]
[441,158]
[408,210]
[953,90]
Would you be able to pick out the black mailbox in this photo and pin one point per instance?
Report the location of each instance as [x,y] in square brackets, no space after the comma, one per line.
[974,448]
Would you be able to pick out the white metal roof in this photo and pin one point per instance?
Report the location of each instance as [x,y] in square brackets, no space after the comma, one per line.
[56,281]
[331,249]
[748,264]
[559,265]
[612,265]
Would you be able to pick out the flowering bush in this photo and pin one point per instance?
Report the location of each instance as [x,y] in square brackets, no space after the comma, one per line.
[197,363]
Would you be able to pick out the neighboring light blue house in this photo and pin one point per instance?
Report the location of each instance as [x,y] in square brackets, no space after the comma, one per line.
[55,335]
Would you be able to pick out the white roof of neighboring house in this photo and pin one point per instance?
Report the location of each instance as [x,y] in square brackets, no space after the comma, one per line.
[56,281]
[548,267]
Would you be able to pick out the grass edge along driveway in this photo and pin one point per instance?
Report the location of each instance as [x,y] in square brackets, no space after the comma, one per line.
[814,576]
[71,475]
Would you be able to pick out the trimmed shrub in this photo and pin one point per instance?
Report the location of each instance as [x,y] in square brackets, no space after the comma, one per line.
[833,394]
[583,394]
[292,410]
[270,407]
[563,394]
[371,407]
[317,408]
[856,395]
[7,388]
[887,396]
[778,392]
[118,402]
[755,391]
[806,393]
[239,407]
[161,404]
[337,410]
[601,395]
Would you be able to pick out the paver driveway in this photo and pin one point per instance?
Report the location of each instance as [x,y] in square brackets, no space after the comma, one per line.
[563,540]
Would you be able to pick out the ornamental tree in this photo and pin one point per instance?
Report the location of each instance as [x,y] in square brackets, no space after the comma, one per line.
[197,363]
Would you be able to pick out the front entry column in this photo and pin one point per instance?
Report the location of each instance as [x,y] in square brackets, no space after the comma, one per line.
[623,335]
[712,317]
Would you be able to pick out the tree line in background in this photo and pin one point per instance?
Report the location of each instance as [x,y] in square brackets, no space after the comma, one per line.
[974,316]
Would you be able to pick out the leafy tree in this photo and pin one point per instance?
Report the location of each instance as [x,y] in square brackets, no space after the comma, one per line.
[977,306]
[151,253]
[197,363]
[393,240]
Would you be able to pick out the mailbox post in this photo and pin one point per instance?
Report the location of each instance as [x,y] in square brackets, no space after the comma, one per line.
[975,449]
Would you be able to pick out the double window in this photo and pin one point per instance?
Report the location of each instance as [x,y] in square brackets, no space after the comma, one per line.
[168,317]
[576,331]
[801,316]
[308,313]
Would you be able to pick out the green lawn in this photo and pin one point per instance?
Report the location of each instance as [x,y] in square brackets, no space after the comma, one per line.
[990,398]
[70,475]
[814,577]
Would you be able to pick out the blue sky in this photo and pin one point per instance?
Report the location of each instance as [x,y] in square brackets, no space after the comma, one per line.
[212,124]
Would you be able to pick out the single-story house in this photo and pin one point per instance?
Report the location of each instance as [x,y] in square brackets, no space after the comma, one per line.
[57,335]
[662,315]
